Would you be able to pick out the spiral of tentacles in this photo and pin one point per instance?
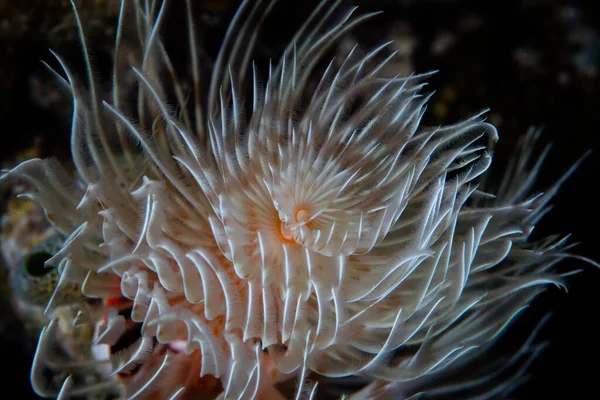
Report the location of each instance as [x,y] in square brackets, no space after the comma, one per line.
[310,229]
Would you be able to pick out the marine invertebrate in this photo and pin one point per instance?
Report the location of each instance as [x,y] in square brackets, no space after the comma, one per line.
[27,241]
[310,229]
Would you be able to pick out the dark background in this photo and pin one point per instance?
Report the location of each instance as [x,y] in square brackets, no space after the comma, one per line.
[532,62]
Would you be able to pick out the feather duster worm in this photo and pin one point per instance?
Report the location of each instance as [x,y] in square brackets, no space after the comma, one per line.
[311,231]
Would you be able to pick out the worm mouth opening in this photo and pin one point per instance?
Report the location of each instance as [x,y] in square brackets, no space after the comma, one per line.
[285,233]
[302,215]
[34,264]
